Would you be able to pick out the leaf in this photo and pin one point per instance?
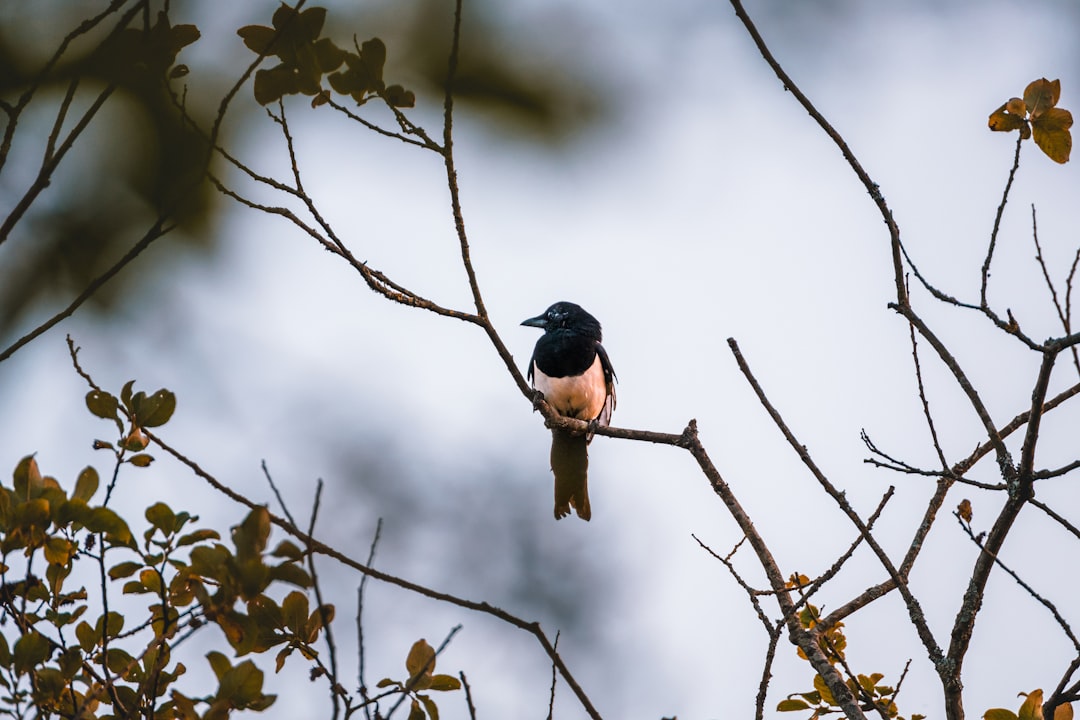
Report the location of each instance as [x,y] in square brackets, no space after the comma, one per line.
[415,711]
[154,410]
[143,460]
[1063,712]
[999,714]
[1003,121]
[964,510]
[30,651]
[86,636]
[1031,709]
[86,485]
[288,549]
[386,682]
[124,569]
[294,610]
[792,704]
[27,478]
[58,550]
[219,663]
[242,684]
[1051,131]
[162,517]
[444,683]
[258,38]
[197,536]
[399,97]
[1041,95]
[420,663]
[102,404]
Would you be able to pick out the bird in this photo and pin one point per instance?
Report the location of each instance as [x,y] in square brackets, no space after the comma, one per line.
[572,370]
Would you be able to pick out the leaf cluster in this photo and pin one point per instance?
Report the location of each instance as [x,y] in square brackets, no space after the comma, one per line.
[872,693]
[304,57]
[420,664]
[1036,115]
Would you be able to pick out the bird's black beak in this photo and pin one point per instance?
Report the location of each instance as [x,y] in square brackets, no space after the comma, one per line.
[540,321]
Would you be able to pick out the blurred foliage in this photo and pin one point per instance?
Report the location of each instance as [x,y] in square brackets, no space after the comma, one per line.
[138,156]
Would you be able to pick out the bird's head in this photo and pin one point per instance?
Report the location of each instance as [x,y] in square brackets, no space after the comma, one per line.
[567,316]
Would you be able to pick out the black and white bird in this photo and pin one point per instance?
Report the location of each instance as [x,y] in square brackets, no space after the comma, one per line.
[571,368]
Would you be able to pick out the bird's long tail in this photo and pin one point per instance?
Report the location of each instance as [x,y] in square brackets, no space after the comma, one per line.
[570,463]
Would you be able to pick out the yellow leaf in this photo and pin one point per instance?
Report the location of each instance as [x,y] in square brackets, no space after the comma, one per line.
[1003,121]
[999,714]
[420,663]
[1064,712]
[1041,95]
[1032,707]
[1051,130]
[964,510]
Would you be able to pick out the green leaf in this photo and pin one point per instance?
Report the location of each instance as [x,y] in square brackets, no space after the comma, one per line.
[59,551]
[1031,709]
[154,410]
[104,520]
[86,485]
[294,610]
[102,404]
[242,684]
[291,573]
[87,637]
[258,38]
[444,683]
[197,536]
[26,478]
[118,660]
[273,84]
[30,651]
[219,663]
[288,549]
[125,394]
[792,704]
[113,624]
[124,569]
[251,535]
[162,517]
[399,97]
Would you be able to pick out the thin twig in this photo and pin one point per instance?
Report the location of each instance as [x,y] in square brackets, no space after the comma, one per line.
[359,618]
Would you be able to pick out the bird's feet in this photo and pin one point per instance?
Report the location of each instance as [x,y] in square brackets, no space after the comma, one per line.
[537,399]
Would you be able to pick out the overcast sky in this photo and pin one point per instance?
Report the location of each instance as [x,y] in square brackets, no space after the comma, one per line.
[705,205]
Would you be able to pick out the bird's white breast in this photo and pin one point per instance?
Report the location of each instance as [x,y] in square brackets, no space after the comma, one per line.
[578,396]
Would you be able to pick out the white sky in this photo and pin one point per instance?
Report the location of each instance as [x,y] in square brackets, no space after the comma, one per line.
[708,207]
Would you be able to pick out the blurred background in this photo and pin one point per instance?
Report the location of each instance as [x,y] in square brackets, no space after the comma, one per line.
[640,160]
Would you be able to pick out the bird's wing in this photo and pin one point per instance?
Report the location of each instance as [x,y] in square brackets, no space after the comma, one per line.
[609,380]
